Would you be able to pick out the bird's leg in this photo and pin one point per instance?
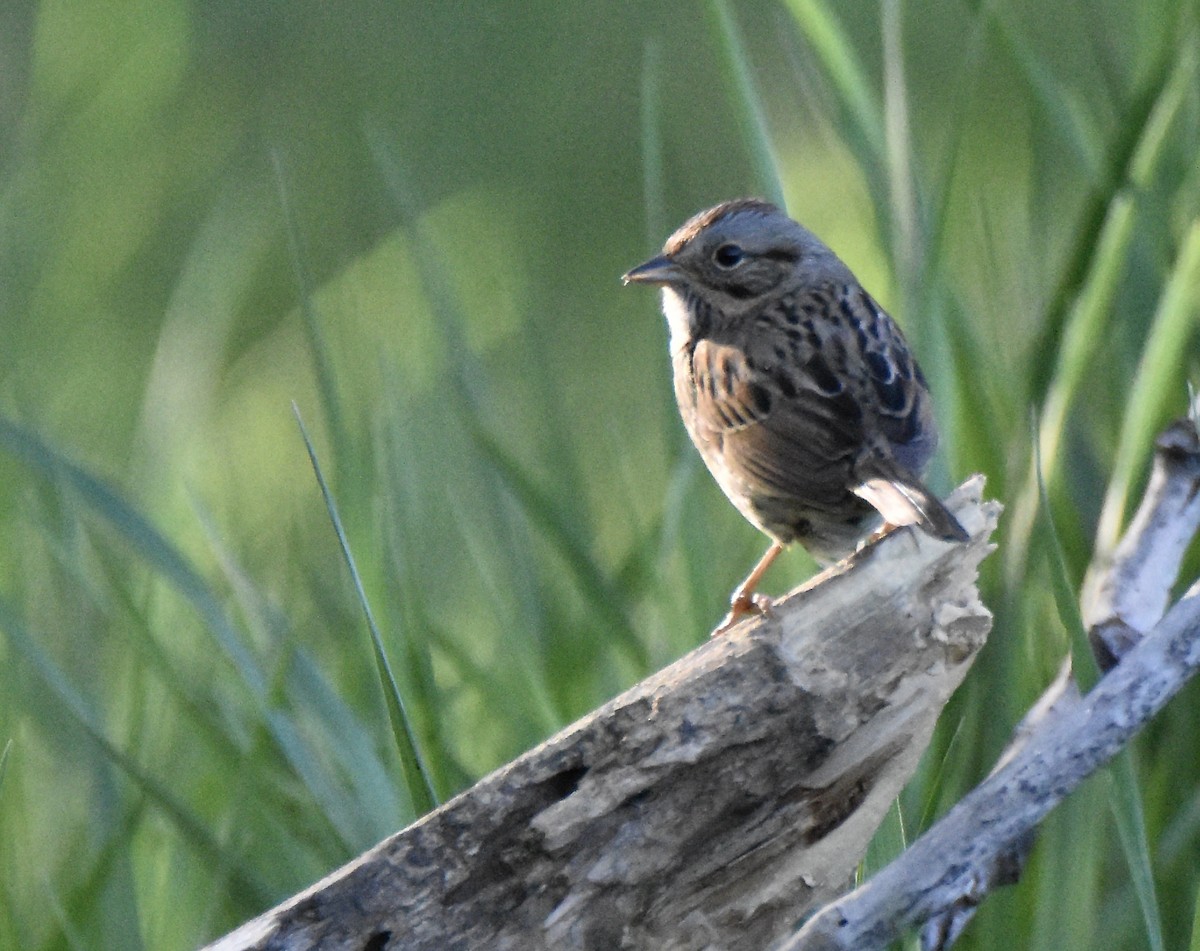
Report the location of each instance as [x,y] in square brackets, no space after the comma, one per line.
[744,601]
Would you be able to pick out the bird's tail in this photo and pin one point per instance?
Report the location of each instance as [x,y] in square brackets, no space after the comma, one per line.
[902,499]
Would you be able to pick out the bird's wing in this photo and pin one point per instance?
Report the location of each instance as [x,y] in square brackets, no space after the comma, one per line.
[903,434]
[831,406]
[790,428]
[730,393]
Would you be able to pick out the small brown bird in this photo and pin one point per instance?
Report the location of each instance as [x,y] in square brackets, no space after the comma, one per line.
[796,387]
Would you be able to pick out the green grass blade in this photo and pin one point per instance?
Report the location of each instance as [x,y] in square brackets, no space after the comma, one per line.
[1083,662]
[415,775]
[908,240]
[889,840]
[1154,383]
[150,545]
[1135,151]
[1065,873]
[71,935]
[371,810]
[937,783]
[102,902]
[752,119]
[851,81]
[434,272]
[153,549]
[1064,112]
[1151,144]
[470,398]
[529,699]
[4,761]
[192,828]
[1084,332]
[1194,944]
[299,687]
[1125,799]
[542,509]
[1085,325]
[1086,328]
[331,403]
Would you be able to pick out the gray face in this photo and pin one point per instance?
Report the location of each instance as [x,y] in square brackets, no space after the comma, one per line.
[734,256]
[746,254]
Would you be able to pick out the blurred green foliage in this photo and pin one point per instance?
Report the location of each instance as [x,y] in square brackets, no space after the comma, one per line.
[410,219]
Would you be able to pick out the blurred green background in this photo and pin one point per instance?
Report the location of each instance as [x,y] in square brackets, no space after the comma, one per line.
[410,219]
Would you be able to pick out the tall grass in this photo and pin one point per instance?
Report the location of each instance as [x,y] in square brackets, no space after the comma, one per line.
[191,714]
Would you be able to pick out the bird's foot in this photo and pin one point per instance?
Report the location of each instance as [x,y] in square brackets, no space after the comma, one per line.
[744,600]
[741,607]
[884,529]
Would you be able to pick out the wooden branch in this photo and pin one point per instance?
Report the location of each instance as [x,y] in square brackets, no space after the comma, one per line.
[982,842]
[1126,593]
[712,805]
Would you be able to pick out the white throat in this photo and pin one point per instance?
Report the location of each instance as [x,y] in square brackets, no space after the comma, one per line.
[678,321]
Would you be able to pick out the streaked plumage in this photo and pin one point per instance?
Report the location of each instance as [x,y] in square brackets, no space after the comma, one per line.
[796,387]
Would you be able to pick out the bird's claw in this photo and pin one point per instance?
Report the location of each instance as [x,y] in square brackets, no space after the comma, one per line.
[741,607]
[880,533]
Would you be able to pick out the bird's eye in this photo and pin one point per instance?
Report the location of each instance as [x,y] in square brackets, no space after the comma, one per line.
[728,255]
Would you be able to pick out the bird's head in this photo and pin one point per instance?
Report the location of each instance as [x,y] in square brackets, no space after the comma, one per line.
[736,255]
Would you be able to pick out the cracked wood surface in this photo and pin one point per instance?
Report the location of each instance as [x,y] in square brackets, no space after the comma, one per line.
[712,805]
[982,843]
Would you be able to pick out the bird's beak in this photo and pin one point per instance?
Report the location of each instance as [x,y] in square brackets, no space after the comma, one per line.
[660,270]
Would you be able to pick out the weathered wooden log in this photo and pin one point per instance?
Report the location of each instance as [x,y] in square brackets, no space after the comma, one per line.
[713,805]
[981,843]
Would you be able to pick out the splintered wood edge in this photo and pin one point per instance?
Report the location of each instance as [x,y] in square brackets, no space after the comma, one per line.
[832,696]
[951,865]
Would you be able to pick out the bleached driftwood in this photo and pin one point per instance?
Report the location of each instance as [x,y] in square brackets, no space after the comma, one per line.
[713,805]
[981,843]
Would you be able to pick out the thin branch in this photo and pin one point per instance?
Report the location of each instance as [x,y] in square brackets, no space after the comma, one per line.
[981,844]
[1127,593]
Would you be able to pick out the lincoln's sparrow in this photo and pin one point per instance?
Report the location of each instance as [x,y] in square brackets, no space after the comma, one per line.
[796,387]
